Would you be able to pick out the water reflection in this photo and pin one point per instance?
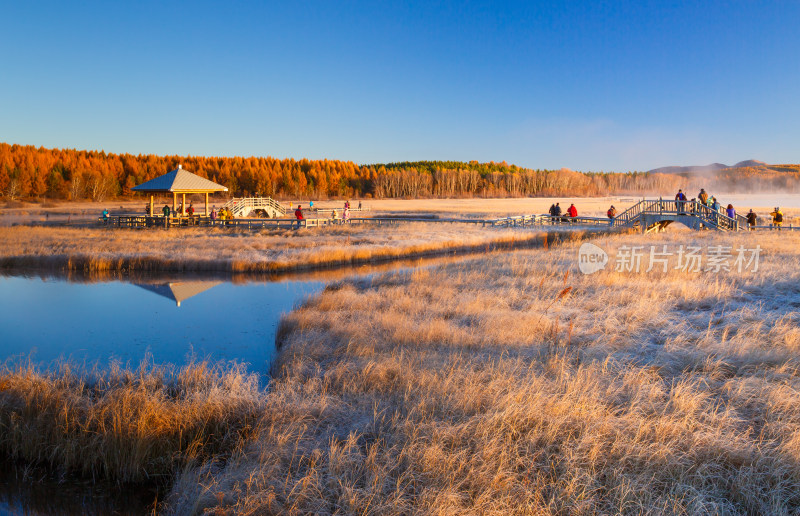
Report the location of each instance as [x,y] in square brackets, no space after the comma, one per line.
[178,291]
[33,492]
[50,319]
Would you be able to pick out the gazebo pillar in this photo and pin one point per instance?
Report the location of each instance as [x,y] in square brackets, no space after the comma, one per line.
[174,201]
[183,205]
[206,204]
[151,205]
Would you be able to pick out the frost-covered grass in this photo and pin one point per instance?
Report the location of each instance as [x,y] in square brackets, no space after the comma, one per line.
[517,385]
[506,383]
[222,249]
[126,425]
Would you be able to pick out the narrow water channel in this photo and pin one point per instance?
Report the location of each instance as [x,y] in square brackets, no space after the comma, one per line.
[91,321]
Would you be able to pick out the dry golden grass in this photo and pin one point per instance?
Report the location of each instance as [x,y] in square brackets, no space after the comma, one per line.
[126,425]
[509,386]
[220,249]
[493,385]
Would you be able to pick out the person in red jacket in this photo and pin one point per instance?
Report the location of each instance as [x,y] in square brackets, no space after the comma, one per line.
[572,211]
[299,212]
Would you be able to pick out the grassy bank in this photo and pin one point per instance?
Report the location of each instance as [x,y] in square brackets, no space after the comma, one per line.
[516,385]
[223,250]
[126,425]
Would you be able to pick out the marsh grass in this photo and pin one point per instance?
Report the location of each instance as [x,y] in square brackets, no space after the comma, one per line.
[126,425]
[221,250]
[506,386]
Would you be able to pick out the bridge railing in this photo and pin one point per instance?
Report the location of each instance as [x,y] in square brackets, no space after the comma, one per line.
[706,214]
[237,205]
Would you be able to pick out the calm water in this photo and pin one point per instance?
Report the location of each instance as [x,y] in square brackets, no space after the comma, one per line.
[53,319]
[167,318]
[47,320]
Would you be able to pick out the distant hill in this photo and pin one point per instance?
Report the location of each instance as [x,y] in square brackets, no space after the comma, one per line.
[750,163]
[707,170]
[694,169]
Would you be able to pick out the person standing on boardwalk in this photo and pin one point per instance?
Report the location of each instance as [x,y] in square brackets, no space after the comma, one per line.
[702,196]
[777,217]
[612,212]
[552,210]
[557,211]
[298,213]
[730,212]
[346,214]
[751,219]
[165,211]
[680,201]
[105,216]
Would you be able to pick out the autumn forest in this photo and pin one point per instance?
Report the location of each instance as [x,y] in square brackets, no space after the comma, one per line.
[29,172]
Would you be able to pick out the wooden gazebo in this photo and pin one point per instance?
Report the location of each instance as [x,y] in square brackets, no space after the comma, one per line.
[179,181]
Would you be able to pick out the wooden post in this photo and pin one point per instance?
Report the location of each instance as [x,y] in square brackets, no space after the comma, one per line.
[174,201]
[183,205]
[151,205]
[206,204]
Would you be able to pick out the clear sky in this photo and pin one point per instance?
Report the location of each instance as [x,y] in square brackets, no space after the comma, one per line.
[595,85]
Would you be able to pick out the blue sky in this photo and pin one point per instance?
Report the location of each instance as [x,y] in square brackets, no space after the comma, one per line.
[585,85]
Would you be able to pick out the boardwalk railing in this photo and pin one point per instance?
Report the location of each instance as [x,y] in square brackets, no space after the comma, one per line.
[141,221]
[549,220]
[647,214]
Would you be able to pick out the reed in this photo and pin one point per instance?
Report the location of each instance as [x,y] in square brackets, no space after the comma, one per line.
[269,251]
[127,425]
[504,385]
[501,384]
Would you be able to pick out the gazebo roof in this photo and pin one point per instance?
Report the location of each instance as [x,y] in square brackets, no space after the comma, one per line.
[179,180]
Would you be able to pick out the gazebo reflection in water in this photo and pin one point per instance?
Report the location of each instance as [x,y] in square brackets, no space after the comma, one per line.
[179,291]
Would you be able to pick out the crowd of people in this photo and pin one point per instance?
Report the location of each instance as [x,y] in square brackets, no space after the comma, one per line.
[684,206]
[712,203]
[555,211]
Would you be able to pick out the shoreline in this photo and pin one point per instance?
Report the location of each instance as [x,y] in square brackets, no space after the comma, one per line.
[153,264]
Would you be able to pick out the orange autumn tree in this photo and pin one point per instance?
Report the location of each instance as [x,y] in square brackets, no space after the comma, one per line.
[35,172]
